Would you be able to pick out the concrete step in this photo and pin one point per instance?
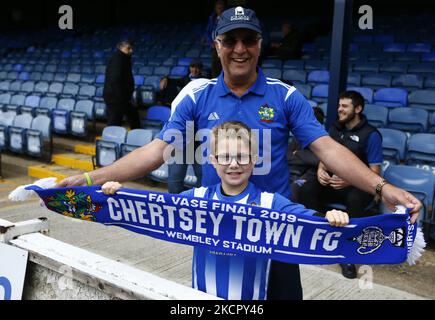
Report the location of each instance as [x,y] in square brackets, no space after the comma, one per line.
[45,171]
[74,161]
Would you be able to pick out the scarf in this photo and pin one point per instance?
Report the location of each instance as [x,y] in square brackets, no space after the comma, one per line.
[238,228]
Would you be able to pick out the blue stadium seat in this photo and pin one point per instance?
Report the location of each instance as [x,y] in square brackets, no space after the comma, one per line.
[427,68]
[153,81]
[156,117]
[393,144]
[432,123]
[136,138]
[424,99]
[5,98]
[100,70]
[41,87]
[353,79]
[12,75]
[146,71]
[318,77]
[367,93]
[376,115]
[179,71]
[419,47]
[316,65]
[5,85]
[83,111]
[35,76]
[428,57]
[60,77]
[16,132]
[184,61]
[421,149]
[272,73]
[156,62]
[391,97]
[17,100]
[383,38]
[30,104]
[60,115]
[50,68]
[6,120]
[409,57]
[86,92]
[408,119]
[100,110]
[47,76]
[23,76]
[271,63]
[366,67]
[298,76]
[107,149]
[100,79]
[46,105]
[70,90]
[394,47]
[408,81]
[39,137]
[319,93]
[305,89]
[429,82]
[15,86]
[55,89]
[376,80]
[138,80]
[421,183]
[145,95]
[73,77]
[87,78]
[294,64]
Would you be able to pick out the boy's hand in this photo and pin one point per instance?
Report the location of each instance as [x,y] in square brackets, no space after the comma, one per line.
[111,187]
[337,218]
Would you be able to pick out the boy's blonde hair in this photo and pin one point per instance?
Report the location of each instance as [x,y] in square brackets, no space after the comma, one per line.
[234,130]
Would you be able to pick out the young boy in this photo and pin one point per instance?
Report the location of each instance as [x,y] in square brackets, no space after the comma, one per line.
[228,275]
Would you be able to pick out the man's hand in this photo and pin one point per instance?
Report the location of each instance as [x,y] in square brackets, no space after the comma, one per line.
[337,183]
[323,176]
[393,196]
[77,180]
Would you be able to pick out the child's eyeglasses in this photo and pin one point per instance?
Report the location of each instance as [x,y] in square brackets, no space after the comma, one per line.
[226,159]
[230,41]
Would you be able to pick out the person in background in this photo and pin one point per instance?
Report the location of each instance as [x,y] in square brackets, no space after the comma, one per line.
[290,46]
[119,87]
[213,19]
[353,131]
[170,87]
[302,162]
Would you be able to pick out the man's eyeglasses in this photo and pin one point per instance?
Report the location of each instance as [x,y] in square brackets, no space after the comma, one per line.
[226,159]
[230,41]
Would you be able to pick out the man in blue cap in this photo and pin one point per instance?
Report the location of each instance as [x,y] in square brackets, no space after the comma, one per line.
[243,93]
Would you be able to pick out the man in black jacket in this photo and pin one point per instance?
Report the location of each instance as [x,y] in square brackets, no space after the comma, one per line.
[171,87]
[119,87]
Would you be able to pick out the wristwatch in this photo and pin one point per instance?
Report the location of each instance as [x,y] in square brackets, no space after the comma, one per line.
[379,187]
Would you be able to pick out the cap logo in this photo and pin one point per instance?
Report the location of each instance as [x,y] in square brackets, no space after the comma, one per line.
[239,14]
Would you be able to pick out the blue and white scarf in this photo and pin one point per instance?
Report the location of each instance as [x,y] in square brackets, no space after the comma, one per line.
[240,228]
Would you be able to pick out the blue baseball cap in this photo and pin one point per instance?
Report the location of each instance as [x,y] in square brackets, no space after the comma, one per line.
[237,18]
